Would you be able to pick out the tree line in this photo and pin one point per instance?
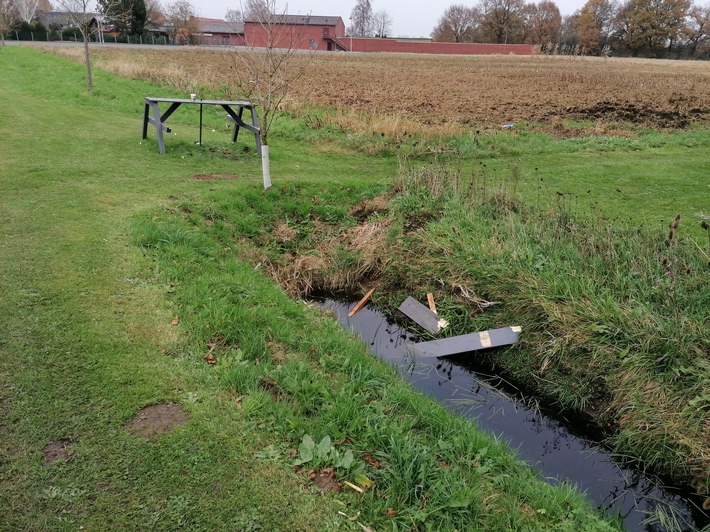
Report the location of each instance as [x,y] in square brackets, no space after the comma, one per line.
[640,28]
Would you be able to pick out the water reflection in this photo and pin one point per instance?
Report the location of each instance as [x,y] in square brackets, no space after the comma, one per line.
[555,447]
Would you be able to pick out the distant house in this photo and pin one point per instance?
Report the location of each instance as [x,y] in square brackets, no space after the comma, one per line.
[296,31]
[59,20]
[217,32]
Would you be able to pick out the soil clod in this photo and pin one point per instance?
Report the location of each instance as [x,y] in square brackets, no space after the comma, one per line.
[154,420]
[57,450]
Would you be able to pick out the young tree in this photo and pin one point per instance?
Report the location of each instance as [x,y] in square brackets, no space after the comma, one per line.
[502,20]
[26,9]
[361,19]
[81,17]
[382,23]
[457,24]
[272,63]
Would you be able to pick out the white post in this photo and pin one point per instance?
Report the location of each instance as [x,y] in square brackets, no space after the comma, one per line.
[265,166]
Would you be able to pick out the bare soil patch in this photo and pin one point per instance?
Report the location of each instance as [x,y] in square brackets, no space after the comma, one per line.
[154,420]
[57,450]
[279,352]
[325,480]
[370,206]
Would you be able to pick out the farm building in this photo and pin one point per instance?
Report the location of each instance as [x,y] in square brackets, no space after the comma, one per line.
[297,31]
[217,32]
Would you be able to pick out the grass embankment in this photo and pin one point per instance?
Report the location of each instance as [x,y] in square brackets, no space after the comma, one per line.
[93,331]
[569,237]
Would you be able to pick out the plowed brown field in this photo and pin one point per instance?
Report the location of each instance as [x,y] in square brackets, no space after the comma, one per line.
[454,91]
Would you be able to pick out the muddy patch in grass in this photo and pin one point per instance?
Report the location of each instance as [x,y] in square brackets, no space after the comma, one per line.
[214,177]
[279,353]
[677,118]
[57,450]
[369,206]
[154,420]
[325,480]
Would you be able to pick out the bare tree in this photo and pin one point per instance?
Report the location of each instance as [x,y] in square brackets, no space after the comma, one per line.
[361,19]
[234,16]
[457,24]
[81,17]
[382,23]
[8,14]
[249,10]
[257,9]
[26,9]
[502,21]
[153,12]
[83,20]
[182,21]
[697,30]
[272,61]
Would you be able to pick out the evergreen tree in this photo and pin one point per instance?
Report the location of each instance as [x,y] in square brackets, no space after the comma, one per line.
[126,16]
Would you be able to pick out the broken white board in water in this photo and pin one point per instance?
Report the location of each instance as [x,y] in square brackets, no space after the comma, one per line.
[465,343]
[423,316]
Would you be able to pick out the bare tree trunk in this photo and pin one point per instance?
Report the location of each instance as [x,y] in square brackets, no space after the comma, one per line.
[87,60]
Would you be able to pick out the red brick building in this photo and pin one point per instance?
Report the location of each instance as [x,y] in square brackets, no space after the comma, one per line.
[297,31]
[328,34]
[427,46]
[217,32]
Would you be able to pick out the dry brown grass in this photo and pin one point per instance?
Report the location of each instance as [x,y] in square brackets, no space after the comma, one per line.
[403,94]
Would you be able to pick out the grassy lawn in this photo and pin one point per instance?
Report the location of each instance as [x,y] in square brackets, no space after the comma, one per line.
[110,301]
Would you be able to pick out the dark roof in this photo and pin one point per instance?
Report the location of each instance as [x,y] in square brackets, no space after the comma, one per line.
[61,19]
[305,20]
[220,26]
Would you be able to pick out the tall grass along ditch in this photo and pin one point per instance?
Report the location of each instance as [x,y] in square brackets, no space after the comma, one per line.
[559,446]
[615,315]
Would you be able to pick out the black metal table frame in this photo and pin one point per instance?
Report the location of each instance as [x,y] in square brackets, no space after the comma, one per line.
[158,119]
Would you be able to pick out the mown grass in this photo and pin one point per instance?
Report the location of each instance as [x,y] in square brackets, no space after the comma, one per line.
[93,330]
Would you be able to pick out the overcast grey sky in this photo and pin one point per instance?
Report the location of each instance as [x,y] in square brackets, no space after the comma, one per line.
[411,19]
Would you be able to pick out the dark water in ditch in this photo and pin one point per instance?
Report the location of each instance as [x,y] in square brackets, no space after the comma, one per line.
[553,445]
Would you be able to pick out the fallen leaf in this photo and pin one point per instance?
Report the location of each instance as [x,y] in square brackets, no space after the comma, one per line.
[365,482]
[211,360]
[374,462]
[391,512]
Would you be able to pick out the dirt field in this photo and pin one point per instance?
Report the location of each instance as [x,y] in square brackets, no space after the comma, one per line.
[447,92]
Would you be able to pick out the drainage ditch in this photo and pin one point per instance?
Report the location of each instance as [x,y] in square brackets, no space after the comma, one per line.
[560,449]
